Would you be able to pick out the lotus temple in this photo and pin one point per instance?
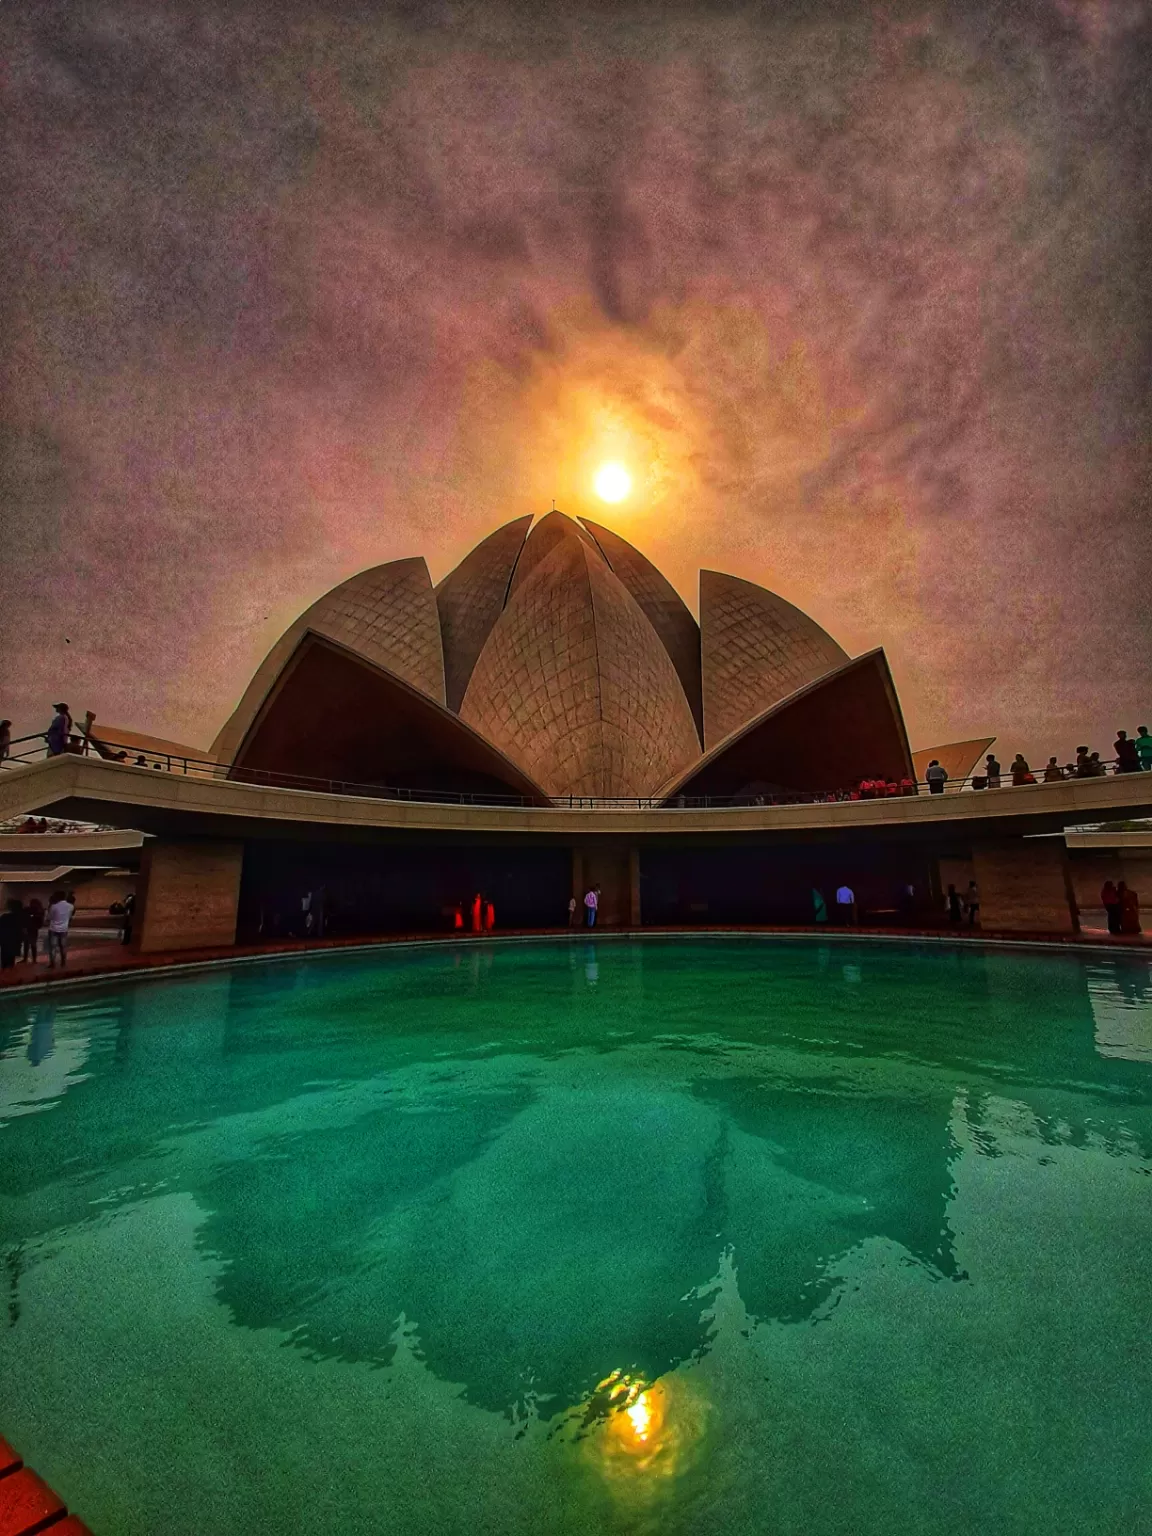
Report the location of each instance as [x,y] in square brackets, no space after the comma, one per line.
[551,717]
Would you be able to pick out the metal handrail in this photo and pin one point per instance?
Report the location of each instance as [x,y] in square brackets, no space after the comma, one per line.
[134,756]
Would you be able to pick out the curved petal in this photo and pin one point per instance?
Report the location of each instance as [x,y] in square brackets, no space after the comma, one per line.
[957,759]
[334,715]
[826,736]
[664,609]
[755,649]
[386,614]
[471,598]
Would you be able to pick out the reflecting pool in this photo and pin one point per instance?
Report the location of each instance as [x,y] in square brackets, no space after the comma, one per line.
[717,1235]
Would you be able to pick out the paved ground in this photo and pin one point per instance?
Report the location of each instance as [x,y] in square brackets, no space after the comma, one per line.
[100,953]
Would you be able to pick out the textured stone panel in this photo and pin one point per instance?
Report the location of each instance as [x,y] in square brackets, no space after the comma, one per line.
[756,649]
[958,759]
[552,529]
[575,686]
[386,614]
[664,609]
[471,598]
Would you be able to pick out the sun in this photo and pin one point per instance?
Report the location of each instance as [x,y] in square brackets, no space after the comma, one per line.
[612,482]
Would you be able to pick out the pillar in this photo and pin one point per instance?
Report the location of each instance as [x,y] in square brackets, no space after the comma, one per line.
[609,863]
[187,895]
[1025,886]
[634,887]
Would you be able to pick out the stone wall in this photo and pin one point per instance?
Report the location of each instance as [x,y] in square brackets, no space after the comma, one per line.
[188,896]
[1024,885]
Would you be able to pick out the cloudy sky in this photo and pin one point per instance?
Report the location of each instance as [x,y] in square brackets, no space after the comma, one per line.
[861,293]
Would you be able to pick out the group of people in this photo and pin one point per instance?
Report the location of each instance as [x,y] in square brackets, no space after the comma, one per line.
[963,908]
[481,911]
[1133,755]
[1121,907]
[20,925]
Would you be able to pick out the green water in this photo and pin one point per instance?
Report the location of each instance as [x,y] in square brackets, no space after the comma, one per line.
[712,1236]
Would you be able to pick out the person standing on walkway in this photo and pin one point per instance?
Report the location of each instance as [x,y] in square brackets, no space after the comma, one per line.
[1127,757]
[936,777]
[846,904]
[1021,773]
[972,903]
[5,739]
[819,906]
[992,771]
[571,911]
[126,926]
[1129,909]
[1053,774]
[955,910]
[477,913]
[1144,747]
[33,922]
[591,905]
[60,912]
[59,731]
[11,932]
[1110,901]
[489,915]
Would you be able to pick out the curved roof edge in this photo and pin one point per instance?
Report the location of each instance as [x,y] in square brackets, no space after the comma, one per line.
[756,648]
[501,764]
[329,611]
[875,659]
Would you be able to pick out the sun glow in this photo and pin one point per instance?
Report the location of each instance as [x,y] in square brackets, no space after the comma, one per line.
[612,482]
[640,1414]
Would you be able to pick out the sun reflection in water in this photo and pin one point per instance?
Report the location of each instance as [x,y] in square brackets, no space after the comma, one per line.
[641,1434]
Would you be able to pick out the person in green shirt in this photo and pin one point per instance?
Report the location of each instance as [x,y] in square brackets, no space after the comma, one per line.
[1144,746]
[819,906]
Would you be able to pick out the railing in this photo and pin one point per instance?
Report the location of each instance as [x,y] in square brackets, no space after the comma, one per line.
[35,747]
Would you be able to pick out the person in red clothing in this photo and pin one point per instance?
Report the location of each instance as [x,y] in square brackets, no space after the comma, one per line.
[489,917]
[477,913]
[1129,909]
[458,918]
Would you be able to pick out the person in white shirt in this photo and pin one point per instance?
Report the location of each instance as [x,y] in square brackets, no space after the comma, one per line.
[59,917]
[846,904]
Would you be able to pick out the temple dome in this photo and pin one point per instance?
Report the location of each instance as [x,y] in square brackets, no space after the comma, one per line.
[556,660]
